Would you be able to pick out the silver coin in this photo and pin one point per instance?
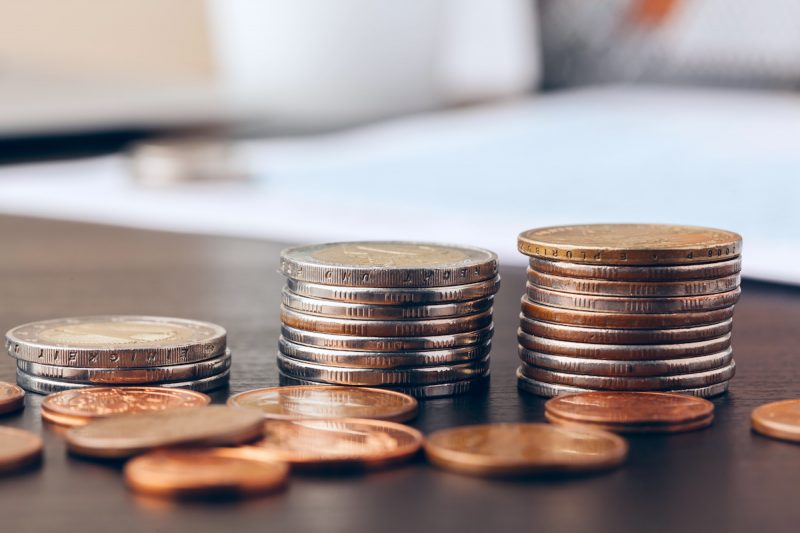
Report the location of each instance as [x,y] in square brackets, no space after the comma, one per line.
[638,273]
[616,304]
[41,385]
[377,377]
[116,341]
[388,264]
[387,344]
[653,383]
[549,390]
[369,295]
[363,359]
[130,376]
[426,392]
[612,368]
[624,352]
[565,332]
[333,309]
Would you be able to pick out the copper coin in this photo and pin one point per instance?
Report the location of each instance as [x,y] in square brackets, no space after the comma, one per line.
[81,406]
[205,472]
[323,444]
[714,270]
[12,398]
[19,449]
[566,332]
[630,244]
[524,449]
[680,427]
[780,420]
[634,289]
[627,352]
[120,436]
[327,401]
[556,315]
[437,390]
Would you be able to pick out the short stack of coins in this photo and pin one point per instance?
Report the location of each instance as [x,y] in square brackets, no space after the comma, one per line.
[628,307]
[412,317]
[119,350]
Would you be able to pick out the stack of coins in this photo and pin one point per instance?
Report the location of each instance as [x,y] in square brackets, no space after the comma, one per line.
[61,354]
[628,307]
[413,317]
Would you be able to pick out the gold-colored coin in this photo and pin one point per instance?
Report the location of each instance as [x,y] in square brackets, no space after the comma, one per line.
[80,406]
[205,472]
[12,398]
[126,435]
[524,449]
[780,420]
[327,401]
[630,244]
[19,449]
[341,443]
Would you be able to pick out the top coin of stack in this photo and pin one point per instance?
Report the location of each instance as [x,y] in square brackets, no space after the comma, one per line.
[413,317]
[61,354]
[628,307]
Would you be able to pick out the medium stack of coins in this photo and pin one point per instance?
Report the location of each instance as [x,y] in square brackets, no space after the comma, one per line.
[61,354]
[412,317]
[628,307]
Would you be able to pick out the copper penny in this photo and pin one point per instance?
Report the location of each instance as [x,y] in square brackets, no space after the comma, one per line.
[714,270]
[327,401]
[12,398]
[205,472]
[630,244]
[680,427]
[524,449]
[19,449]
[780,420]
[322,444]
[80,406]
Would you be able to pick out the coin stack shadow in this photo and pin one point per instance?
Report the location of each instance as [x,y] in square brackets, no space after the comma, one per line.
[595,318]
[410,317]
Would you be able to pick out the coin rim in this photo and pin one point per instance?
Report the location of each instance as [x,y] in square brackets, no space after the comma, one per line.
[685,427]
[13,403]
[649,273]
[46,386]
[552,407]
[762,425]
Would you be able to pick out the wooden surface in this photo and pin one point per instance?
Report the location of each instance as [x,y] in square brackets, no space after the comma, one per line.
[721,479]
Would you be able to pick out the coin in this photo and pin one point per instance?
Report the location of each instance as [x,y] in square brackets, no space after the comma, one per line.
[622,320]
[387,344]
[718,269]
[630,244]
[780,420]
[646,289]
[327,401]
[622,368]
[130,376]
[524,449]
[80,406]
[205,472]
[116,341]
[12,398]
[565,332]
[385,328]
[39,385]
[339,443]
[541,388]
[383,359]
[680,427]
[334,309]
[424,295]
[650,383]
[388,264]
[616,304]
[381,376]
[427,392]
[624,352]
[19,449]
[126,435]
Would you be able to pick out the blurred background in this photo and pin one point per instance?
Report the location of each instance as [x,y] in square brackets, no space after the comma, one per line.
[462,121]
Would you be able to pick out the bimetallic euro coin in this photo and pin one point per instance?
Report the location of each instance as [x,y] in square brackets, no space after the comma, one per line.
[12,398]
[718,269]
[779,420]
[40,385]
[19,449]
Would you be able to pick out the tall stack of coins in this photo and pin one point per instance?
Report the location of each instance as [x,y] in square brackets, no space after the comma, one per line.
[412,317]
[114,350]
[628,307]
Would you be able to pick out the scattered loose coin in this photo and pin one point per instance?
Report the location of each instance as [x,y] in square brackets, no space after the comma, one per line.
[81,406]
[327,401]
[323,444]
[126,435]
[717,269]
[681,427]
[12,398]
[19,449]
[40,385]
[205,472]
[780,420]
[427,392]
[524,449]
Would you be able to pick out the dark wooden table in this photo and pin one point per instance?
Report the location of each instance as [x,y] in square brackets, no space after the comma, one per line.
[721,479]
